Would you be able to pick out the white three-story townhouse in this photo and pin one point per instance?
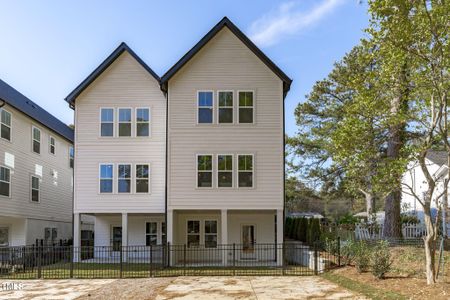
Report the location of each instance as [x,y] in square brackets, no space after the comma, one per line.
[36,159]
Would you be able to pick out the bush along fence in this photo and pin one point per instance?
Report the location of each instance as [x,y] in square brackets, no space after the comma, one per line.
[61,262]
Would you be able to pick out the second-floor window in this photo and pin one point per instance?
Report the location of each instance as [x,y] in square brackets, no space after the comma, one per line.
[225,170]
[124,178]
[142,178]
[35,188]
[205,107]
[245,111]
[5,181]
[5,124]
[107,122]
[124,121]
[142,122]
[225,114]
[71,156]
[52,145]
[204,171]
[245,170]
[106,178]
[36,140]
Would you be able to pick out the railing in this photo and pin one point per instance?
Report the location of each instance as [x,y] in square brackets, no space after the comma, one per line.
[291,258]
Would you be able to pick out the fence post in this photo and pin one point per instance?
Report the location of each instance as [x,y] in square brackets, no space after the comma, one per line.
[39,262]
[168,254]
[234,259]
[121,261]
[339,250]
[151,261]
[315,260]
[71,249]
[184,259]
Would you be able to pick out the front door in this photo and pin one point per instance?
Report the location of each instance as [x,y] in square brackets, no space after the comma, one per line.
[248,242]
[117,238]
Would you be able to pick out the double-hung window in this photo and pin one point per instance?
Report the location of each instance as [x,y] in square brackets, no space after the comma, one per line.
[52,145]
[245,111]
[124,121]
[205,107]
[107,122]
[193,233]
[5,181]
[245,170]
[71,156]
[35,188]
[210,234]
[224,170]
[225,114]
[163,233]
[142,122]
[106,178]
[124,178]
[36,135]
[5,124]
[151,233]
[204,171]
[142,178]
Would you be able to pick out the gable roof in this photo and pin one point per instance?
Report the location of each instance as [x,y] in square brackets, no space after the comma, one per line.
[225,22]
[102,67]
[437,157]
[34,111]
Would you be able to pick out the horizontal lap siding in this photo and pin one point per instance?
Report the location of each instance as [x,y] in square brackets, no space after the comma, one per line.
[55,194]
[124,84]
[225,63]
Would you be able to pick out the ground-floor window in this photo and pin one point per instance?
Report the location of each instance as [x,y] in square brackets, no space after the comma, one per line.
[163,233]
[210,234]
[193,233]
[151,233]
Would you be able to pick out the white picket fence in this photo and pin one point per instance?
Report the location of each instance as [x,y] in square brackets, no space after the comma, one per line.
[373,232]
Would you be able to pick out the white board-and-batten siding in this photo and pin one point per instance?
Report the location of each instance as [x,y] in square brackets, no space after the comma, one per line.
[124,84]
[225,63]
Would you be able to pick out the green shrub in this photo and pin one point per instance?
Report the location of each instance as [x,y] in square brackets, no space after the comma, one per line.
[409,219]
[347,251]
[381,259]
[314,230]
[361,256]
[296,229]
[287,227]
[348,219]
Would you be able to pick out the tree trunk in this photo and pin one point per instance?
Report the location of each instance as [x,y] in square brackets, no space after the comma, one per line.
[369,204]
[430,246]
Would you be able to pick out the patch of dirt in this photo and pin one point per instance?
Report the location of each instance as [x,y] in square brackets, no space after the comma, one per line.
[412,287]
[147,288]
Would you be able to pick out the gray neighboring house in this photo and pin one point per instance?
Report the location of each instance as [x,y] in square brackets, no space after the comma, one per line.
[36,157]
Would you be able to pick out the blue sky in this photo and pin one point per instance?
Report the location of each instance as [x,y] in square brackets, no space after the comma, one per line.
[49,47]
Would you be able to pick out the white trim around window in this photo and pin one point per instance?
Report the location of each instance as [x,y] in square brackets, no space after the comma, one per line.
[100,178]
[6,179]
[199,233]
[149,122]
[197,171]
[106,122]
[205,234]
[35,189]
[197,105]
[37,140]
[245,171]
[125,122]
[232,107]
[136,178]
[4,123]
[225,171]
[51,145]
[124,178]
[238,106]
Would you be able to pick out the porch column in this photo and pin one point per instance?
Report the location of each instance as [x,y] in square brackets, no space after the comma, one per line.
[224,235]
[76,237]
[124,235]
[280,236]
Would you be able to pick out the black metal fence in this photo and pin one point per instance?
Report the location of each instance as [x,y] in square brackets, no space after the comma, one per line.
[60,262]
